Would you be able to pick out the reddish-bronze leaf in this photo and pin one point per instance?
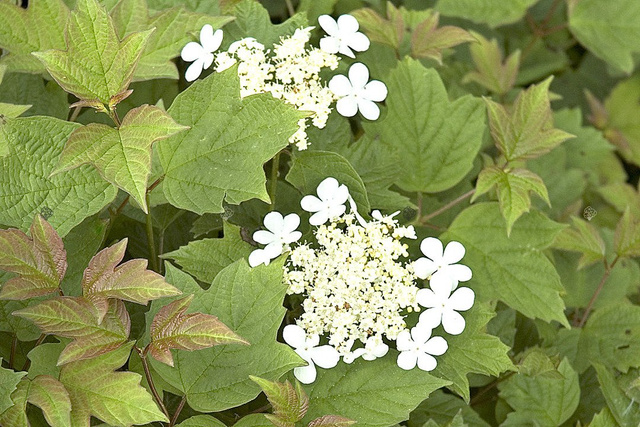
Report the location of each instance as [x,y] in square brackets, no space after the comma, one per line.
[131,281]
[173,329]
[40,261]
[289,404]
[77,318]
[428,41]
[331,421]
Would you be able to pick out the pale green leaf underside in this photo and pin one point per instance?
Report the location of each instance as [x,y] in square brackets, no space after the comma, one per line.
[8,382]
[26,188]
[437,140]
[249,301]
[511,269]
[491,12]
[221,156]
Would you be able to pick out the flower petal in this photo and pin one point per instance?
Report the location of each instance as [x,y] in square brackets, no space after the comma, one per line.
[207,60]
[425,297]
[421,333]
[311,204]
[335,211]
[346,51]
[305,374]
[430,318]
[424,267]
[327,188]
[291,222]
[358,75]
[368,109]
[375,90]
[339,85]
[263,237]
[436,346]
[325,356]
[460,272]
[432,248]
[441,284]
[206,34]
[319,218]
[359,42]
[294,335]
[453,252]
[341,194]
[347,106]
[407,360]
[426,362]
[257,257]
[294,236]
[350,357]
[347,24]
[273,250]
[379,351]
[193,71]
[330,44]
[452,322]
[274,222]
[191,52]
[212,42]
[461,300]
[404,341]
[328,24]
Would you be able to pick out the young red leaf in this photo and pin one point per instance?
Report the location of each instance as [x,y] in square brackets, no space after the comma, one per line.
[492,73]
[49,394]
[289,404]
[389,31]
[331,421]
[40,261]
[77,318]
[172,328]
[131,281]
[428,41]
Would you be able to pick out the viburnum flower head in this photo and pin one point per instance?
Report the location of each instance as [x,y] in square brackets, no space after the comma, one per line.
[419,347]
[342,35]
[443,306]
[358,93]
[280,231]
[441,265]
[330,202]
[201,54]
[307,348]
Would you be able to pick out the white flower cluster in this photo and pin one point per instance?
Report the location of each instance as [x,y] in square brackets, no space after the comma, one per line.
[291,71]
[359,285]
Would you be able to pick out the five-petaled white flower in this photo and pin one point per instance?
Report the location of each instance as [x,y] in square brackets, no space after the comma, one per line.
[201,54]
[374,353]
[330,202]
[324,356]
[443,307]
[419,347]
[342,36]
[440,265]
[281,231]
[358,93]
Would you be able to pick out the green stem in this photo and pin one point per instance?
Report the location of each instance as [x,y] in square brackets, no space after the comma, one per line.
[419,203]
[150,239]
[290,8]
[147,374]
[12,354]
[447,206]
[475,399]
[273,184]
[594,297]
[75,113]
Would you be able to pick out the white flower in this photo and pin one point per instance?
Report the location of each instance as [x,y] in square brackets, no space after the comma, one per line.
[368,353]
[281,232]
[201,54]
[419,347]
[441,265]
[342,36]
[324,356]
[443,307]
[329,204]
[356,94]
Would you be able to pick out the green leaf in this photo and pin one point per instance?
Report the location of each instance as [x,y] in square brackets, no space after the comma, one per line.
[473,351]
[252,20]
[104,279]
[254,420]
[604,418]
[173,26]
[249,301]
[528,131]
[513,186]
[492,72]
[12,111]
[314,9]
[310,168]
[491,12]
[207,257]
[541,400]
[331,421]
[627,239]
[77,318]
[584,238]
[201,421]
[45,98]
[172,328]
[122,155]
[289,404]
[50,395]
[8,383]
[620,195]
[67,199]
[441,407]
[25,30]
[608,30]
[623,409]
[437,140]
[622,128]
[388,31]
[40,261]
[230,138]
[114,397]
[428,41]
[511,269]
[15,415]
[375,393]
[97,65]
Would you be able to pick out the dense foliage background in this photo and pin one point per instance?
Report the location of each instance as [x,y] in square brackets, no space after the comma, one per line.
[511,126]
